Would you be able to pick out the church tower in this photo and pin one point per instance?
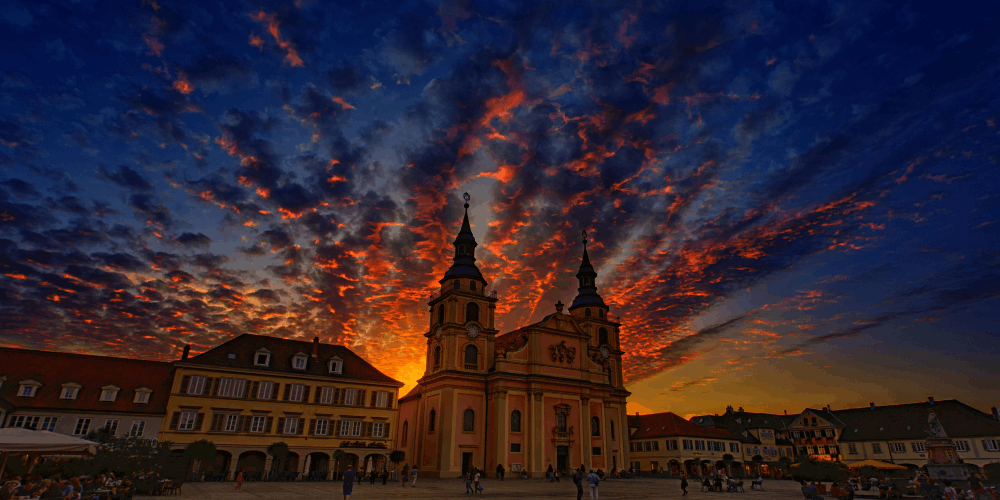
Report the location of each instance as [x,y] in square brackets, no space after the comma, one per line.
[461,315]
[591,313]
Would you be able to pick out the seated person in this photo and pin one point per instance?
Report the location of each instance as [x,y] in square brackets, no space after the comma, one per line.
[883,490]
[810,492]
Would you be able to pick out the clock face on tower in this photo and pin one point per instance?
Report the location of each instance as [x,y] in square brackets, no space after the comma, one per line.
[438,333]
[472,331]
[605,352]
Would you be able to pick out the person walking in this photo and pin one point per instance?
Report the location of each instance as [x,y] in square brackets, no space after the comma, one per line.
[684,484]
[349,477]
[406,474]
[385,475]
[548,474]
[468,482]
[475,482]
[500,471]
[578,481]
[413,473]
[593,480]
[239,480]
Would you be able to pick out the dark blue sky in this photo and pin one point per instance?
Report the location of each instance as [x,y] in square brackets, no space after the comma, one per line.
[790,203]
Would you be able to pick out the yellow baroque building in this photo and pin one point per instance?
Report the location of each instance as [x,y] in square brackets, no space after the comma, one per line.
[548,396]
[253,391]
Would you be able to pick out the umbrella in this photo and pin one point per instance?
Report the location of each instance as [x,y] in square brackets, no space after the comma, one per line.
[877,464]
[20,440]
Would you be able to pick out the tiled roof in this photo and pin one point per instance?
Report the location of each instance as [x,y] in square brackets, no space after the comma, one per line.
[737,422]
[909,421]
[53,369]
[282,351]
[668,424]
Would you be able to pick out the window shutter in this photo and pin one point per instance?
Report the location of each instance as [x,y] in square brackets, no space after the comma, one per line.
[367,430]
[185,382]
[984,445]
[319,390]
[374,399]
[385,430]
[174,420]
[245,421]
[275,387]
[216,417]
[246,389]
[281,426]
[198,421]
[305,394]
[335,430]
[214,383]
[288,390]
[312,426]
[361,398]
[298,428]
[389,399]
[254,390]
[269,425]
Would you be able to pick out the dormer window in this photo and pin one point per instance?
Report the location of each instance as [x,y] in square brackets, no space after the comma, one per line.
[299,361]
[69,391]
[109,393]
[142,395]
[262,358]
[336,365]
[28,388]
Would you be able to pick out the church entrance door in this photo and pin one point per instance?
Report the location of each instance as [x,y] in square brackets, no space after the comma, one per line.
[466,462]
[562,458]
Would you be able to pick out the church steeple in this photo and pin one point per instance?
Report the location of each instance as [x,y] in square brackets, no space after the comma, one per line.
[464,263]
[587,295]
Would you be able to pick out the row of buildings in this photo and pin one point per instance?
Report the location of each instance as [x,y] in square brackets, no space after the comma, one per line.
[549,395]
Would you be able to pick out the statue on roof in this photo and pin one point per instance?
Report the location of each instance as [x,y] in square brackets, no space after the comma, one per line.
[935,429]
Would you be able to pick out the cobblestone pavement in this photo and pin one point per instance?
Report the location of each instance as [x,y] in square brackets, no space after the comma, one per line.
[442,489]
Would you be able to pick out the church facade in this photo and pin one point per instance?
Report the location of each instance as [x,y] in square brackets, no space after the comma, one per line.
[549,394]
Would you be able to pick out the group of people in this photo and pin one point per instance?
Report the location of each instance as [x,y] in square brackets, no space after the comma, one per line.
[74,488]
[472,477]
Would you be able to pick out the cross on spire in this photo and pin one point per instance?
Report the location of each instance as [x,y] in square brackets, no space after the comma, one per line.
[559,307]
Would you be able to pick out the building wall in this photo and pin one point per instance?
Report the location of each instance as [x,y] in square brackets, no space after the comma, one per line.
[974,451]
[688,461]
[66,422]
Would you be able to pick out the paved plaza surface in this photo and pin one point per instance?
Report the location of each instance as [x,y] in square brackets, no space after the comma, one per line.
[439,489]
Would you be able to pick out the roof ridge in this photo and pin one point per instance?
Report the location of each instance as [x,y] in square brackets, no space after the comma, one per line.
[64,353]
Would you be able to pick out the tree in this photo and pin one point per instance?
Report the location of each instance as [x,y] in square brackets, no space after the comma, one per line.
[992,471]
[201,450]
[396,457]
[820,470]
[279,451]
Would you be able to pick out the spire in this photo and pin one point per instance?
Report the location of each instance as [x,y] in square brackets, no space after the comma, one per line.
[587,292]
[464,262]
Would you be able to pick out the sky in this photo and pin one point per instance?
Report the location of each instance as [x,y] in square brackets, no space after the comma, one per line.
[790,204]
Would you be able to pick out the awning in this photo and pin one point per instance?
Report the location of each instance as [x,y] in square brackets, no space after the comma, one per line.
[19,440]
[877,464]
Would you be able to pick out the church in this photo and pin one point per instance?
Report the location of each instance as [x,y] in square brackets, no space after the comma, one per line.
[545,395]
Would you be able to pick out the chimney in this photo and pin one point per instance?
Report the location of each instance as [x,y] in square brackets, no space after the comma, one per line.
[187,350]
[741,409]
[729,410]
[872,405]
[930,399]
[996,414]
[315,347]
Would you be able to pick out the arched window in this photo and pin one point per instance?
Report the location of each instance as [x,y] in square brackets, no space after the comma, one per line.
[471,357]
[430,420]
[469,420]
[586,312]
[600,313]
[437,356]
[602,336]
[457,285]
[595,426]
[471,312]
[441,313]
[515,421]
[472,285]
[406,429]
[561,422]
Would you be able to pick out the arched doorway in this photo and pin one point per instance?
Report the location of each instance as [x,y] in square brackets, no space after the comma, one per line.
[691,467]
[738,469]
[319,466]
[706,467]
[674,467]
[252,465]
[721,466]
[219,468]
[373,462]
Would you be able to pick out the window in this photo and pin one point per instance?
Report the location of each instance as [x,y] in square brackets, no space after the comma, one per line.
[813,420]
[457,285]
[262,358]
[515,421]
[898,447]
[232,423]
[877,448]
[378,429]
[767,434]
[299,362]
[602,336]
[699,445]
[815,450]
[586,312]
[561,422]
[291,425]
[734,447]
[441,313]
[82,427]
[111,425]
[612,430]
[671,444]
[336,365]
[688,444]
[852,448]
[69,393]
[28,391]
[471,312]
[257,424]
[350,397]
[962,445]
[350,428]
[295,394]
[138,428]
[646,446]
[595,426]
[991,445]
[186,422]
[656,445]
[382,399]
[472,285]
[196,385]
[918,447]
[231,388]
[322,425]
[109,394]
[469,421]
[430,420]
[471,357]
[23,421]
[266,390]
[437,356]
[141,397]
[596,451]
[515,447]
[231,355]
[49,424]
[326,395]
